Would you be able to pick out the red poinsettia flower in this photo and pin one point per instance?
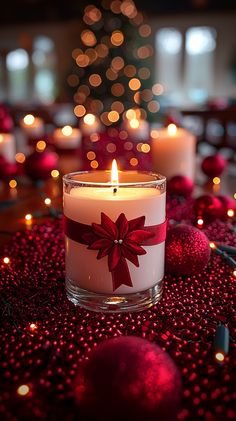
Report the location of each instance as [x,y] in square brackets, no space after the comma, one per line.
[118,240]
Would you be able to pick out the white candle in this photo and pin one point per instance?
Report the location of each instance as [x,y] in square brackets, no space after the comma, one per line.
[90,124]
[67,138]
[32,126]
[173,152]
[85,204]
[7,146]
[138,129]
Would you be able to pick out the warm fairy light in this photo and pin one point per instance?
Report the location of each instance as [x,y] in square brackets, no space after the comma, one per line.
[55,173]
[130,114]
[28,217]
[172,129]
[230,213]
[134,123]
[212,245]
[113,116]
[154,134]
[111,147]
[114,172]
[94,164]
[117,38]
[234,272]
[219,356]
[41,145]
[67,130]
[29,119]
[23,390]
[134,84]
[216,180]
[1,138]
[33,326]
[6,260]
[13,184]
[89,119]
[91,155]
[95,79]
[79,110]
[47,201]
[20,157]
[145,148]
[158,89]
[234,195]
[133,162]
[200,222]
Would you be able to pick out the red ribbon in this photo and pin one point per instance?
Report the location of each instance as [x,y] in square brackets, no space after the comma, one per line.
[118,240]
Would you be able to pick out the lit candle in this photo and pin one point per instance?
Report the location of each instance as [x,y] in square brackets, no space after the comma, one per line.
[138,129]
[173,152]
[67,138]
[90,198]
[90,124]
[7,146]
[32,126]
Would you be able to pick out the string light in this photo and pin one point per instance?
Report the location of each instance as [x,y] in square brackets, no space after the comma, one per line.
[6,260]
[28,217]
[216,180]
[33,327]
[89,119]
[47,201]
[41,145]
[20,158]
[230,213]
[23,390]
[29,119]
[200,222]
[234,272]
[212,245]
[219,356]
[12,184]
[55,173]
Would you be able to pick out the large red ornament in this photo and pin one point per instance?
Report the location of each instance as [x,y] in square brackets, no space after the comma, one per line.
[6,122]
[128,378]
[187,250]
[180,185]
[213,165]
[208,206]
[38,165]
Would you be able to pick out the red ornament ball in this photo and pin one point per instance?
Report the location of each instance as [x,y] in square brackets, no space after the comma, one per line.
[208,206]
[38,165]
[227,203]
[213,165]
[128,378]
[7,169]
[180,185]
[187,250]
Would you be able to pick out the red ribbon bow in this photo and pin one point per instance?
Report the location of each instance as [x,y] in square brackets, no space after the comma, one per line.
[118,240]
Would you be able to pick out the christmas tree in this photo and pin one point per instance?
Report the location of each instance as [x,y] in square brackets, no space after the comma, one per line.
[112,66]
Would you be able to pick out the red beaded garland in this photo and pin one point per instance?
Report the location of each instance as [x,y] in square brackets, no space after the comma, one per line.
[47,358]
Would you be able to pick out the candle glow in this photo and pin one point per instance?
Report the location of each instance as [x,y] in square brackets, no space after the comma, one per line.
[29,119]
[114,173]
[172,129]
[89,119]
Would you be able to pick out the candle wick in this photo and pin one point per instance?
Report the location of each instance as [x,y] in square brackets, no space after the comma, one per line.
[114,190]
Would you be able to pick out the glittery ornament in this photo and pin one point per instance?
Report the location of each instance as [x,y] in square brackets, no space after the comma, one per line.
[180,185]
[39,165]
[128,378]
[213,165]
[187,250]
[208,206]
[7,169]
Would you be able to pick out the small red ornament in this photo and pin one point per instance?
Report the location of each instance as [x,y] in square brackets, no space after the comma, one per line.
[187,250]
[6,122]
[227,203]
[128,378]
[38,165]
[180,185]
[7,169]
[213,165]
[208,206]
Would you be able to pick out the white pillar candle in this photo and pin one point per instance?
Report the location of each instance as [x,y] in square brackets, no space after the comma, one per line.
[174,152]
[67,138]
[90,124]
[84,204]
[138,129]
[7,146]
[32,126]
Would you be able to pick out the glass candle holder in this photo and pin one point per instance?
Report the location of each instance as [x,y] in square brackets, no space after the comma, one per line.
[115,239]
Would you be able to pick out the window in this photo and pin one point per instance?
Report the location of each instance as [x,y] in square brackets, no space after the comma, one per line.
[17,63]
[44,61]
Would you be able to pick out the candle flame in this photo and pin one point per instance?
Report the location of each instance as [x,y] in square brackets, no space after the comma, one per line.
[29,119]
[114,172]
[172,129]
